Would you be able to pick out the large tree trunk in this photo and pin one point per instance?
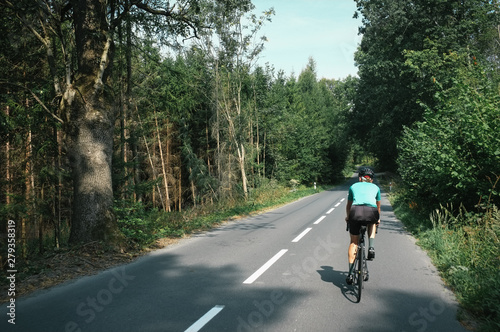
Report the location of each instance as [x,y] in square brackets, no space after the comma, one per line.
[90,147]
[90,114]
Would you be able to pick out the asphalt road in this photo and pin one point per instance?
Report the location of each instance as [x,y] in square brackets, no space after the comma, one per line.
[279,271]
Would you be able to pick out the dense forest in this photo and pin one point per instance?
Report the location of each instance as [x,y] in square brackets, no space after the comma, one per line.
[115,107]
[427,101]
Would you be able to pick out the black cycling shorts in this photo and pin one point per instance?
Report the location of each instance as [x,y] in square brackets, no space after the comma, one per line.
[362,215]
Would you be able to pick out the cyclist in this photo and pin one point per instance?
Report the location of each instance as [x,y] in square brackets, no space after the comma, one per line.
[363,207]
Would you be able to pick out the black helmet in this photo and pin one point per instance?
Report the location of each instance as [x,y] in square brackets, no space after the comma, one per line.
[366,171]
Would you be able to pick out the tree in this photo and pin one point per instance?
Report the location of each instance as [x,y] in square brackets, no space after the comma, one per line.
[304,125]
[389,91]
[452,156]
[311,137]
[273,124]
[87,105]
[339,99]
[233,48]
[30,167]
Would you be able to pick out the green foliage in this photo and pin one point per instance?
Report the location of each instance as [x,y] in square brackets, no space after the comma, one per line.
[133,222]
[307,136]
[308,140]
[453,155]
[397,35]
[143,226]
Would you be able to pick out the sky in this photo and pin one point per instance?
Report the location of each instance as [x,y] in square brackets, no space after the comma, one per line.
[322,29]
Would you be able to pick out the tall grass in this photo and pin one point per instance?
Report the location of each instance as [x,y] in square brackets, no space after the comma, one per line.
[465,248]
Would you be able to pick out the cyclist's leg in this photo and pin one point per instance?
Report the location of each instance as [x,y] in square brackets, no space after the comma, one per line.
[354,227]
[372,230]
[353,245]
[351,257]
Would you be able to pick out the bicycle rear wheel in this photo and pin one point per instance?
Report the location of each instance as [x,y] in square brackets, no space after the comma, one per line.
[358,275]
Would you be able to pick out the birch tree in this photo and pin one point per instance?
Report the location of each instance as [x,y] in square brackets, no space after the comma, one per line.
[234,45]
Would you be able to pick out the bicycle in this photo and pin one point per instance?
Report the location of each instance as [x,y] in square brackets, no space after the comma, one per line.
[360,268]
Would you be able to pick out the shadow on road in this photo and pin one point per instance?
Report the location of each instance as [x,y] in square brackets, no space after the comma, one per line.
[337,278]
[159,292]
[395,309]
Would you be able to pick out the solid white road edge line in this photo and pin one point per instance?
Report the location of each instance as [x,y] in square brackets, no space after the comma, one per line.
[205,319]
[319,220]
[297,239]
[264,267]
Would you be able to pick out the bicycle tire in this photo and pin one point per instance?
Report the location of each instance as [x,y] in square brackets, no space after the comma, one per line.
[355,275]
[360,271]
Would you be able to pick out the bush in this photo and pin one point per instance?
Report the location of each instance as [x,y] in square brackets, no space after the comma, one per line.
[143,227]
[453,155]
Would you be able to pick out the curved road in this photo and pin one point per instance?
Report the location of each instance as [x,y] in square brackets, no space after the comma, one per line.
[279,271]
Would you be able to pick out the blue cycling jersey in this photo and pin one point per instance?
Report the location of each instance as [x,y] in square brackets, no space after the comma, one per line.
[364,193]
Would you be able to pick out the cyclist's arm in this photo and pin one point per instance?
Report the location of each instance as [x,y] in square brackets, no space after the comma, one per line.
[379,213]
